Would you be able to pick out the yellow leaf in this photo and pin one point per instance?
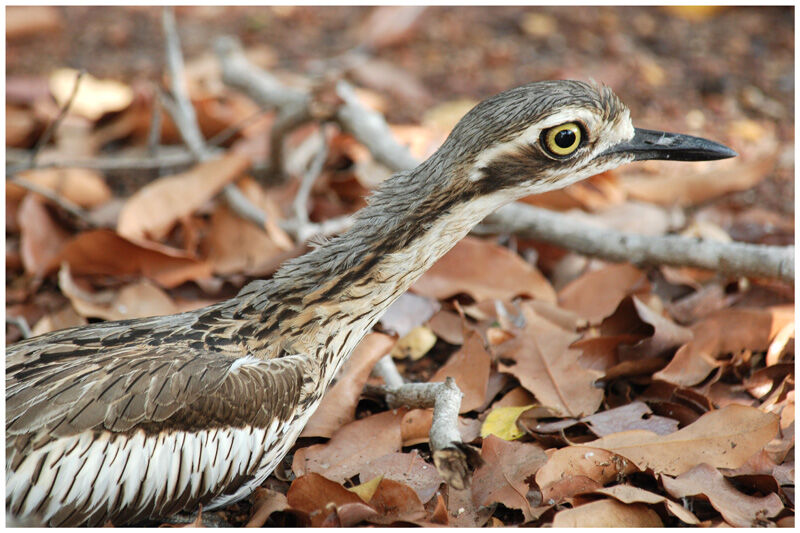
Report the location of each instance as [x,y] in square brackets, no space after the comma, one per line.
[367,490]
[415,344]
[502,422]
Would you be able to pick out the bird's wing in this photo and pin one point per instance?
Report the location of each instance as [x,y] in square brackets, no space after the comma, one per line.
[152,373]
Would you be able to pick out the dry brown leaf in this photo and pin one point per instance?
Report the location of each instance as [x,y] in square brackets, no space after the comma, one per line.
[725,438]
[576,469]
[21,128]
[266,502]
[406,468]
[41,238]
[659,333]
[29,20]
[351,447]
[448,326]
[95,97]
[483,270]
[318,496]
[104,253]
[596,294]
[65,317]
[81,186]
[547,367]
[136,300]
[469,367]
[152,211]
[502,479]
[598,192]
[724,332]
[236,246]
[676,187]
[396,502]
[338,406]
[608,513]
[738,509]
[631,494]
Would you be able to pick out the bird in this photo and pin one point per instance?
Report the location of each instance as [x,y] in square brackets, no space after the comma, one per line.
[140,419]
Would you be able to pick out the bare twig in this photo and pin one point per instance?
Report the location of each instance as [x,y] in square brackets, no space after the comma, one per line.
[53,126]
[172,159]
[454,460]
[315,168]
[287,121]
[182,112]
[21,324]
[154,135]
[65,204]
[386,369]
[736,258]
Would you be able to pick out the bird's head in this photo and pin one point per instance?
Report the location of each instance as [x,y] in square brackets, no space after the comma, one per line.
[547,135]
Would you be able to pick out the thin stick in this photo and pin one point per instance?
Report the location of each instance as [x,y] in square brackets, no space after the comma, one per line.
[314,170]
[71,208]
[21,324]
[53,126]
[386,369]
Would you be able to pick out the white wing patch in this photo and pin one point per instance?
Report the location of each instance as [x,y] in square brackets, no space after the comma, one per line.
[107,473]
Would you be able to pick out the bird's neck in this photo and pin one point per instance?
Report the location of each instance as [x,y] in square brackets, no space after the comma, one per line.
[334,294]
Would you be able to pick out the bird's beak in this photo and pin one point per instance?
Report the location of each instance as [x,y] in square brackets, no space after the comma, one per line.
[649,144]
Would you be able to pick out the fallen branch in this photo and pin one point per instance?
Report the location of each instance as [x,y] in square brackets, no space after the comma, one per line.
[299,205]
[735,258]
[169,158]
[180,108]
[21,324]
[453,459]
[386,369]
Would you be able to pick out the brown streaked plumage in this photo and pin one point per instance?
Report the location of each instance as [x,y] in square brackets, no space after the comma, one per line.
[139,419]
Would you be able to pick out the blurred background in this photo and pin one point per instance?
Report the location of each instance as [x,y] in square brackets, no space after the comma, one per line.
[722,73]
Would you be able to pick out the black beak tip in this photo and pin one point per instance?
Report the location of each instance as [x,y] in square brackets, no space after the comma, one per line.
[650,144]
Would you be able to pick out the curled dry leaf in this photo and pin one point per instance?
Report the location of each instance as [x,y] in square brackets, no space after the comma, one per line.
[396,502]
[546,366]
[724,332]
[502,478]
[660,333]
[631,494]
[738,509]
[81,186]
[104,253]
[448,326]
[41,238]
[338,406]
[469,367]
[406,468]
[94,98]
[266,502]
[484,270]
[152,211]
[352,446]
[725,438]
[575,469]
[318,496]
[596,294]
[608,513]
[136,300]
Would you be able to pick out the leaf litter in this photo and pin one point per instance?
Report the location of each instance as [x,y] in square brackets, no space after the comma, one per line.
[624,395]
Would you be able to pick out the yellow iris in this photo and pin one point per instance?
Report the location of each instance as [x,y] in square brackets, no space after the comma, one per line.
[563,140]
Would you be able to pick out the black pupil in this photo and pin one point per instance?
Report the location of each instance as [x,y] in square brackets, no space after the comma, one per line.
[565,138]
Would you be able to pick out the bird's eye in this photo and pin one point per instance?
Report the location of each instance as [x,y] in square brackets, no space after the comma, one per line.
[562,140]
